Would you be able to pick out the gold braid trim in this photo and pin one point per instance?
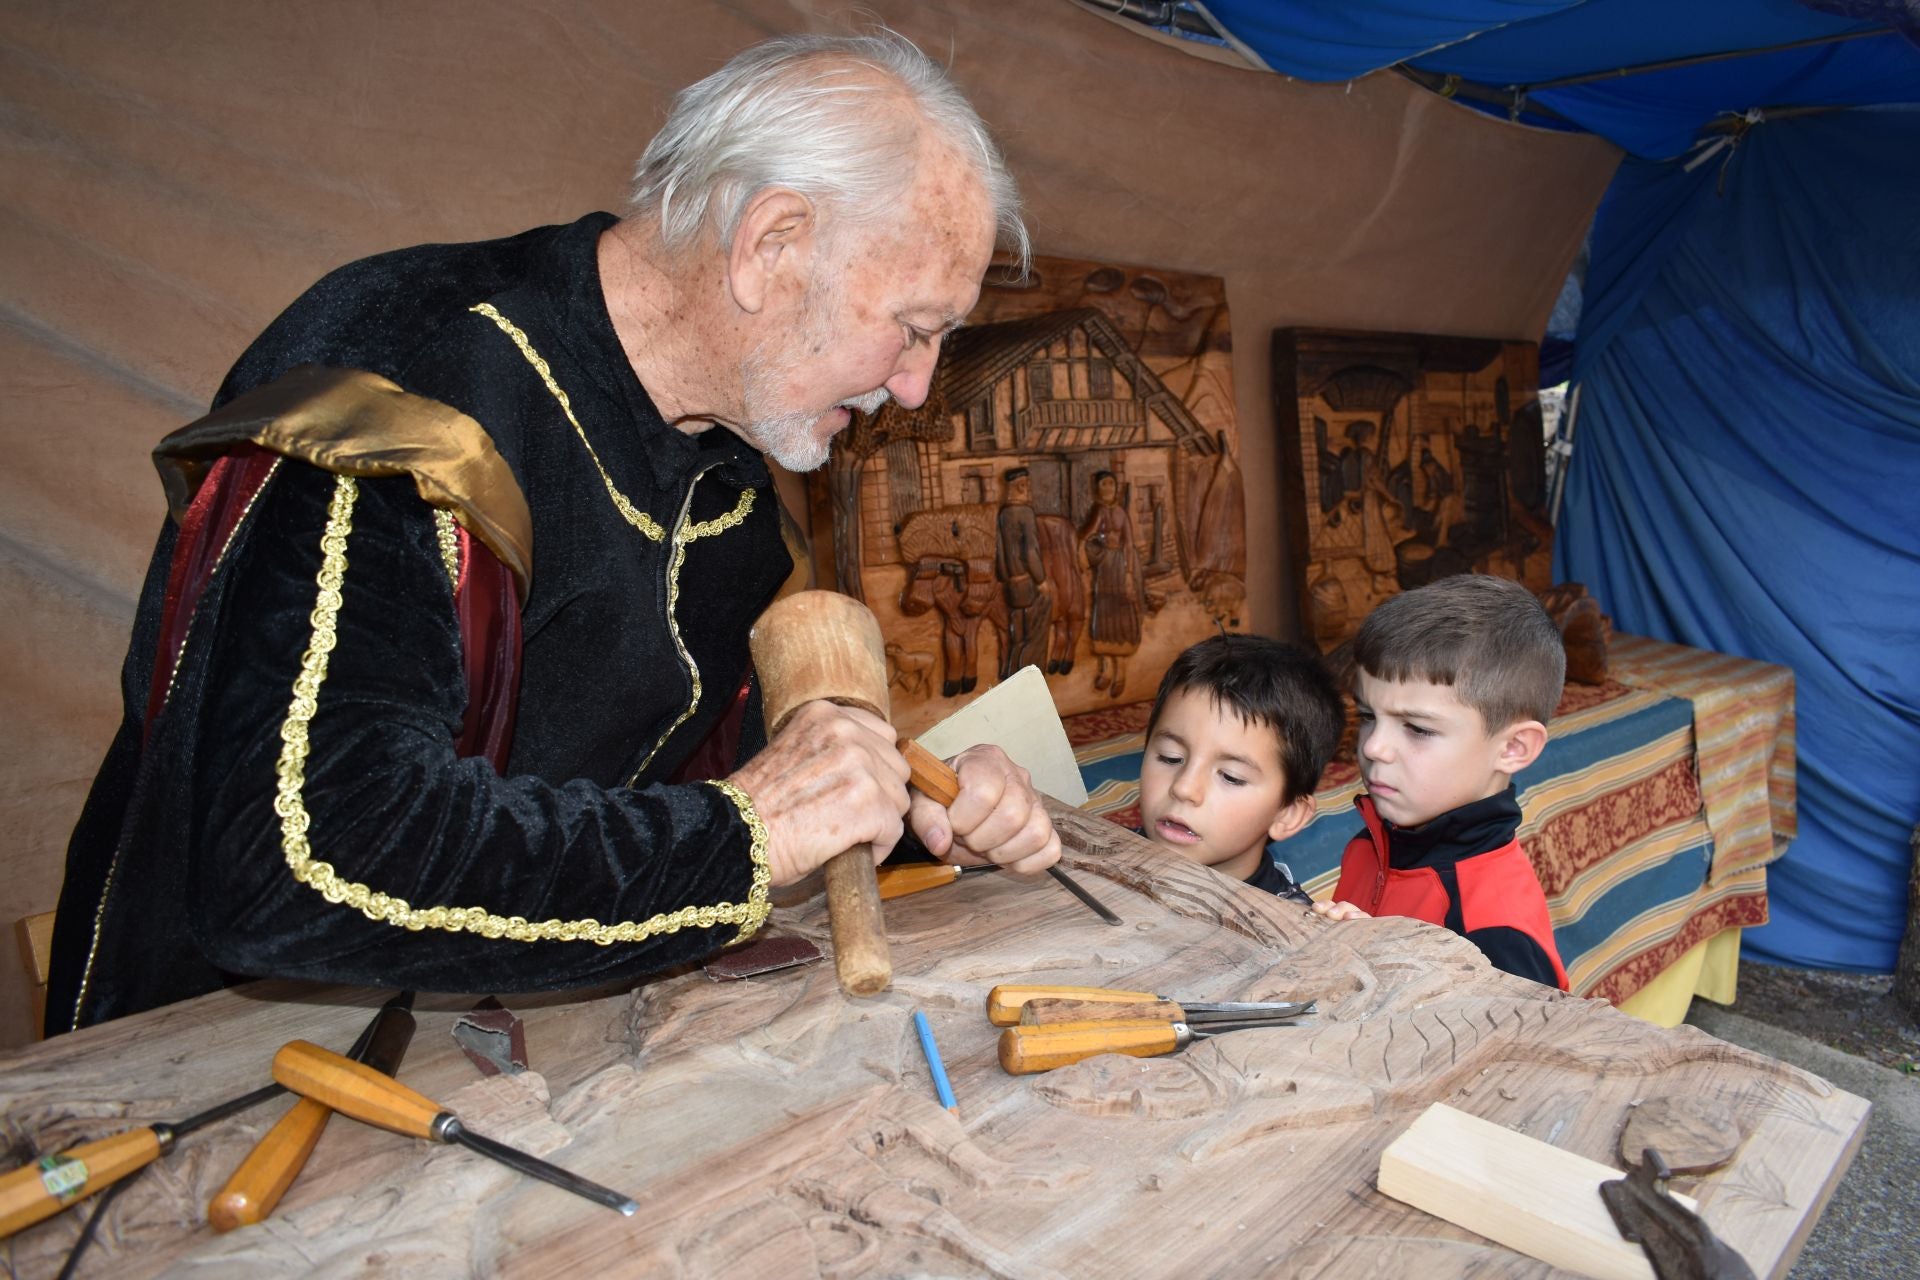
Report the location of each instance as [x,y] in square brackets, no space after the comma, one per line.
[320,876]
[449,544]
[639,519]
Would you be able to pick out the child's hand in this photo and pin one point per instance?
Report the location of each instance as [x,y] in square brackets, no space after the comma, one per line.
[1339,911]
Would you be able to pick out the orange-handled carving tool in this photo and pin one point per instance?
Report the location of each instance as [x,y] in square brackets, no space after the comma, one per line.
[901,879]
[51,1183]
[276,1160]
[935,777]
[357,1090]
[1026,1050]
[1041,1013]
[1004,1003]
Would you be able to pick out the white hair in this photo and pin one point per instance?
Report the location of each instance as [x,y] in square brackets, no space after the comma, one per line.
[797,112]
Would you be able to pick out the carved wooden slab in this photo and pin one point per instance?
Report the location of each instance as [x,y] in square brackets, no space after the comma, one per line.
[773,1127]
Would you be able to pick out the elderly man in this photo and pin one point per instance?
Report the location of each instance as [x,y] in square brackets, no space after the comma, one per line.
[451,619]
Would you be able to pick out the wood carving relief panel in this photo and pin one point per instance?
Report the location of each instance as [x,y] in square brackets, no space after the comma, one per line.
[1069,497]
[1406,458]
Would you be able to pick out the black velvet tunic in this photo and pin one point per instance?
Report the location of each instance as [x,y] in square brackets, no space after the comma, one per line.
[634,644]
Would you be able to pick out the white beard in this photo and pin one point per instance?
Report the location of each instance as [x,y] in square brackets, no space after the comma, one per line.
[788,437]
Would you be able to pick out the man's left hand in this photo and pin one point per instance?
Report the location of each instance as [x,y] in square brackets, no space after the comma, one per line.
[997,817]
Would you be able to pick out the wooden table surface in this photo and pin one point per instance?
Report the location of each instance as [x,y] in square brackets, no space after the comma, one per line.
[773,1127]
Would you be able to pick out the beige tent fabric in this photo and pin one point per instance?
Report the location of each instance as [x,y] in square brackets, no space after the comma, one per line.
[176,173]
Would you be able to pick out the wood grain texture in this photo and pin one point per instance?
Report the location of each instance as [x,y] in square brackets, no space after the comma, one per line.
[1536,1198]
[774,1127]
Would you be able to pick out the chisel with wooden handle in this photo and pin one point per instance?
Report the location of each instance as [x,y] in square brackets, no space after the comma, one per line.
[1027,1050]
[1004,1003]
[276,1160]
[1045,1012]
[357,1090]
[51,1183]
[915,877]
[934,777]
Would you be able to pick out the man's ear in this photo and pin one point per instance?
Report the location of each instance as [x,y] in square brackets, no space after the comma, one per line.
[1293,815]
[1520,745]
[770,247]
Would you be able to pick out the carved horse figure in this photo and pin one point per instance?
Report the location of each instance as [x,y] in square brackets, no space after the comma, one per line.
[949,554]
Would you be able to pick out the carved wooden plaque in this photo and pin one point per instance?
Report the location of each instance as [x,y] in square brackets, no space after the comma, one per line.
[774,1127]
[1406,458]
[1069,497]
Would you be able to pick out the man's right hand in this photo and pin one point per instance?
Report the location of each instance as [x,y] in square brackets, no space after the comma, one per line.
[831,779]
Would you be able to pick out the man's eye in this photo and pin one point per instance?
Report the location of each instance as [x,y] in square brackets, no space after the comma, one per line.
[918,337]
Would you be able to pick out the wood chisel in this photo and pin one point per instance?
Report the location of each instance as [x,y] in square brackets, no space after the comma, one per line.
[357,1090]
[1042,1013]
[1004,1002]
[39,1190]
[914,877]
[934,777]
[276,1160]
[1027,1050]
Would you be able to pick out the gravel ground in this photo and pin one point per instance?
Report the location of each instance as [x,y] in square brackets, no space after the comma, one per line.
[1851,1012]
[1846,1029]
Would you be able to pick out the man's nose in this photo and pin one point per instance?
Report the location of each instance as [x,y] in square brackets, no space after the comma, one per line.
[912,381]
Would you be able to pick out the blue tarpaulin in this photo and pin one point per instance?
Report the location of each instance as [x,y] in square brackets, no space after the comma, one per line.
[1746,474]
[1657,114]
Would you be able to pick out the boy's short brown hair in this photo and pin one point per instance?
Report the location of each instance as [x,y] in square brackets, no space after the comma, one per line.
[1487,637]
[1266,682]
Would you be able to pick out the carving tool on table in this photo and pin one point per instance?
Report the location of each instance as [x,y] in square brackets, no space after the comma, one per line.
[1027,1050]
[53,1182]
[901,879]
[1006,1002]
[1043,1013]
[256,1186]
[936,778]
[354,1089]
[1679,1245]
[941,1085]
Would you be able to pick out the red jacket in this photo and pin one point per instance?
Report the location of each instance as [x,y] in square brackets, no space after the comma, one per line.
[1479,896]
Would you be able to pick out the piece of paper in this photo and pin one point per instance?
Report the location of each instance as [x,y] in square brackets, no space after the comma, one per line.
[1018,716]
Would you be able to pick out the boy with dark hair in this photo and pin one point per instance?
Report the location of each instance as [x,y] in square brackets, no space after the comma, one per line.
[1453,683]
[1239,734]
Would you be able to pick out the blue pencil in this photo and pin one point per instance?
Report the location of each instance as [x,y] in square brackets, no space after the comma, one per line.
[940,1085]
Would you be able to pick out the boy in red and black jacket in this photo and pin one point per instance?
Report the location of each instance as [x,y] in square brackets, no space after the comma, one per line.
[1453,683]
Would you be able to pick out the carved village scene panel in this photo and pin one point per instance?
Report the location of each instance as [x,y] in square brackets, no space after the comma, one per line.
[1069,497]
[1406,458]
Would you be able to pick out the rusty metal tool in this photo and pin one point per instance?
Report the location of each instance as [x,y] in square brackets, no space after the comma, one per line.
[355,1089]
[1678,1244]
[935,777]
[915,877]
[256,1186]
[1027,1050]
[1005,1003]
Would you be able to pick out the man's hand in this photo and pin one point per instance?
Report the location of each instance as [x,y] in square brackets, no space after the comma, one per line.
[831,779]
[1339,911]
[997,817]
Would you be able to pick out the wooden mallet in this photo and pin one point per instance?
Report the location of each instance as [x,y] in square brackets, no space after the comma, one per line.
[821,645]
